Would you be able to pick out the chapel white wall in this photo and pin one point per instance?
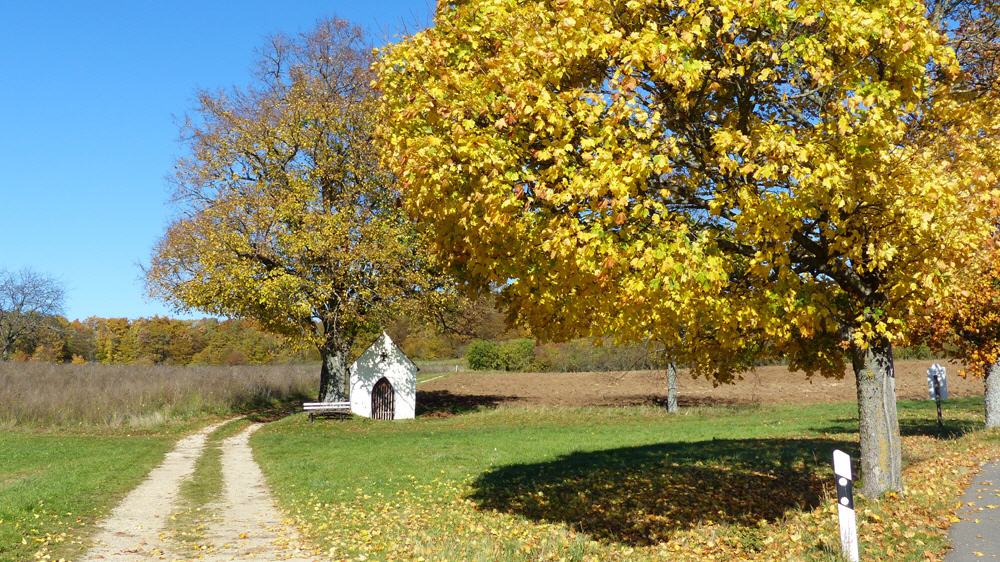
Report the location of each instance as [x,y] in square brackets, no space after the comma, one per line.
[396,367]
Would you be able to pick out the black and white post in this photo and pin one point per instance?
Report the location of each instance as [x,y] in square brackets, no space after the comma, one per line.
[937,400]
[937,387]
[845,505]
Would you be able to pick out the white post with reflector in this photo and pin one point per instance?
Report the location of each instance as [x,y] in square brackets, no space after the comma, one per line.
[845,505]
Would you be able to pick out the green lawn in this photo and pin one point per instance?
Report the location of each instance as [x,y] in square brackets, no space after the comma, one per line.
[505,484]
[573,483]
[55,486]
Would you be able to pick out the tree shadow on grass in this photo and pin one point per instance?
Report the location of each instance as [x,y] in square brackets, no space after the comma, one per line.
[442,403]
[697,401]
[953,428]
[432,403]
[642,495]
[266,409]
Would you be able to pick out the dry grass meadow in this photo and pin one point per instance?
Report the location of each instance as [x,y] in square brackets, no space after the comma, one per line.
[43,394]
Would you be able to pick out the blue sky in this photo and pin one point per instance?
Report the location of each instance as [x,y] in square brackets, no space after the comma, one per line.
[90,97]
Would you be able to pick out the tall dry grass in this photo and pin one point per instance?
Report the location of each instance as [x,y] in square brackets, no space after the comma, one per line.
[142,396]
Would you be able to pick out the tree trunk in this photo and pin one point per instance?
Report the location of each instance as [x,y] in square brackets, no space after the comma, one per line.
[672,387]
[334,377]
[881,453]
[993,395]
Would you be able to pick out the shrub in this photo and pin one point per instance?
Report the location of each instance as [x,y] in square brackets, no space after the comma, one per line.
[572,356]
[482,355]
[510,355]
[914,352]
[517,355]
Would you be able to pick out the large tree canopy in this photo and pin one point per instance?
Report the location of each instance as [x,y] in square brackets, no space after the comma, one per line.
[794,173]
[288,218]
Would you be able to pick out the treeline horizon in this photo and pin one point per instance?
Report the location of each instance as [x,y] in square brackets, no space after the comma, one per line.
[156,340]
[163,340]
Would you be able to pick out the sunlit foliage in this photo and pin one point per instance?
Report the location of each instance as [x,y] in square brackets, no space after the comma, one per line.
[722,175]
[288,218]
[658,150]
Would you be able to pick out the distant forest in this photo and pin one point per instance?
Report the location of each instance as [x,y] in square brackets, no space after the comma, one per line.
[209,341]
[157,340]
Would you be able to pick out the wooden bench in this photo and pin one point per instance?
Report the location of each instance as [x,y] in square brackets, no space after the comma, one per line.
[326,409]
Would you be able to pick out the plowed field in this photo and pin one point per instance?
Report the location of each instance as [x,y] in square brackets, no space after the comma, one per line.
[772,384]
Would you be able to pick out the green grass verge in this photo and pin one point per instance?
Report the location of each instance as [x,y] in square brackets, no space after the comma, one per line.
[54,487]
[540,483]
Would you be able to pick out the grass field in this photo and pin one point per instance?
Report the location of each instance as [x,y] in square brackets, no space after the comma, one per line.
[603,483]
[76,438]
[434,367]
[496,467]
[54,487]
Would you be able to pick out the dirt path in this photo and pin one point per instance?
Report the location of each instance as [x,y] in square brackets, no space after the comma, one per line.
[245,524]
[248,525]
[134,530]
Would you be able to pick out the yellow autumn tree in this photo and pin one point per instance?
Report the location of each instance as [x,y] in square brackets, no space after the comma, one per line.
[286,216]
[672,306]
[967,326]
[774,166]
[966,323]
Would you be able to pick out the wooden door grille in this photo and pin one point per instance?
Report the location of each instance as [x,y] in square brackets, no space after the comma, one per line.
[383,400]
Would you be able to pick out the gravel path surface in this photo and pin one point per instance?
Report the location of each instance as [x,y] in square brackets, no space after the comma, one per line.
[245,524]
[134,530]
[248,525]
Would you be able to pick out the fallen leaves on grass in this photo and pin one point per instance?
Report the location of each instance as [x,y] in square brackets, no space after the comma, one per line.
[448,520]
[44,531]
[641,495]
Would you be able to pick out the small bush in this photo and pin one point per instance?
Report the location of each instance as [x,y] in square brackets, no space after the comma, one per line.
[915,352]
[482,355]
[511,355]
[572,356]
[517,355]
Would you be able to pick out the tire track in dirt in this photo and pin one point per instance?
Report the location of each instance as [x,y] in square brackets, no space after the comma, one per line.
[248,525]
[134,530]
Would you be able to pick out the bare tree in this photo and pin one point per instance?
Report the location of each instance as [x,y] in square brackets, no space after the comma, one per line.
[27,299]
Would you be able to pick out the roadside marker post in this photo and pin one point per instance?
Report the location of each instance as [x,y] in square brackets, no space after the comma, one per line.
[937,387]
[845,505]
[937,400]
[939,372]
